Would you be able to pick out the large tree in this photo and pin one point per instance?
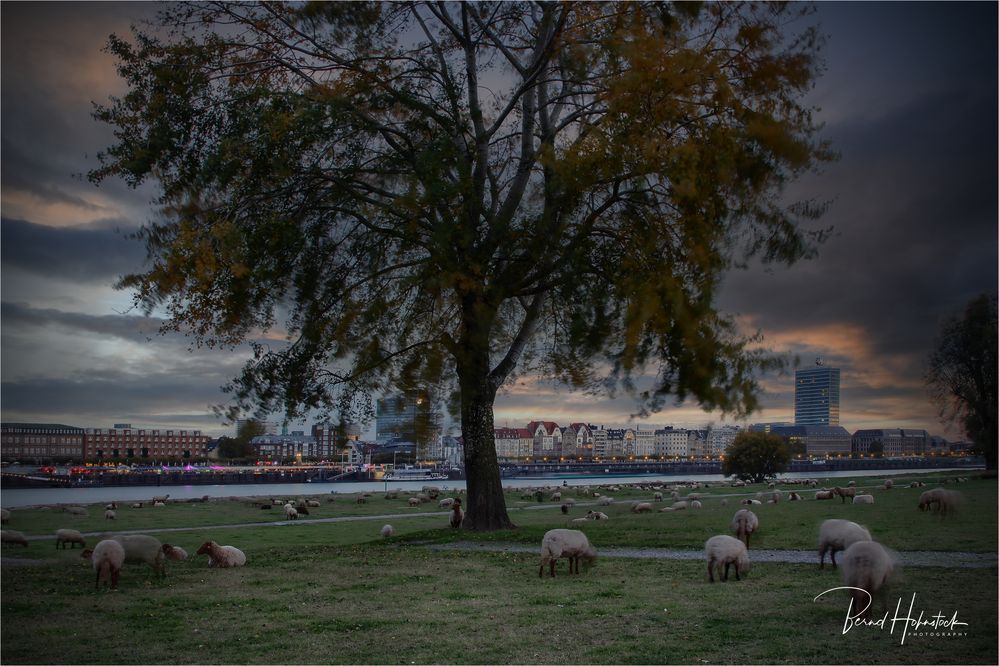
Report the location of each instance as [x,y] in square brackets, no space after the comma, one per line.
[961,374]
[756,457]
[419,194]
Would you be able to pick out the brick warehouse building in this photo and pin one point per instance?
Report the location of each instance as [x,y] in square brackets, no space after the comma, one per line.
[123,442]
[41,441]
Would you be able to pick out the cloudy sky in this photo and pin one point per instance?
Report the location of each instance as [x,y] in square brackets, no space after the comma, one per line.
[909,100]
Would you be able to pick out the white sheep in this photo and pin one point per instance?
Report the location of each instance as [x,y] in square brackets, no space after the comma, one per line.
[695,504]
[76,511]
[222,556]
[570,544]
[556,497]
[159,503]
[387,531]
[596,515]
[13,537]
[446,503]
[657,497]
[107,558]
[414,501]
[722,551]
[889,484]
[143,548]
[641,507]
[113,506]
[72,537]
[750,502]
[109,514]
[290,512]
[866,566]
[824,494]
[852,484]
[793,497]
[680,506]
[745,522]
[836,534]
[606,501]
[161,498]
[724,501]
[174,552]
[863,499]
[312,504]
[137,505]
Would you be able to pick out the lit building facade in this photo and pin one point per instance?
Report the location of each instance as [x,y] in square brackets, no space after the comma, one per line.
[40,442]
[816,396]
[123,442]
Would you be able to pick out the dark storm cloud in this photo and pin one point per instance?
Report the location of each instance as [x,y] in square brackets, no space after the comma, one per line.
[135,329]
[90,254]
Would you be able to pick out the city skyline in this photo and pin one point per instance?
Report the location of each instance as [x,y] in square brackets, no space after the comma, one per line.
[909,101]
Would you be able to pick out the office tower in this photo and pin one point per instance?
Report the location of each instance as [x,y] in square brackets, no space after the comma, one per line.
[816,396]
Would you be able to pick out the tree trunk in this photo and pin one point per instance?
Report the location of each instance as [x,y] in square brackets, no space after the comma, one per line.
[485,507]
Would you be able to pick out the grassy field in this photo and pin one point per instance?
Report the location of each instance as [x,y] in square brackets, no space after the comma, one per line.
[336,592]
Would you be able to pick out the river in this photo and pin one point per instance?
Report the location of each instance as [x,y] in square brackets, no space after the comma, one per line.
[21,497]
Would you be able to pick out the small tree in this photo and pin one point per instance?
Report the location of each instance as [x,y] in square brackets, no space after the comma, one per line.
[961,375]
[756,456]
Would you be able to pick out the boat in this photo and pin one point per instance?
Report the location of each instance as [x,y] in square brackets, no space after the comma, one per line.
[414,474]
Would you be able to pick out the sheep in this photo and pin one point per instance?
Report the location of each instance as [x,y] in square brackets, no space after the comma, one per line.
[945,501]
[312,504]
[387,531]
[457,515]
[695,504]
[570,544]
[361,499]
[674,495]
[866,566]
[431,491]
[413,501]
[750,502]
[569,502]
[916,484]
[776,496]
[606,501]
[12,537]
[302,509]
[889,484]
[679,506]
[641,507]
[76,511]
[793,497]
[72,537]
[113,506]
[137,505]
[290,512]
[107,558]
[724,501]
[556,497]
[158,503]
[222,556]
[724,551]
[143,548]
[4,517]
[863,499]
[835,535]
[446,503]
[423,498]
[392,494]
[852,484]
[745,522]
[109,514]
[658,497]
[161,498]
[565,509]
[844,493]
[824,494]
[596,515]
[174,552]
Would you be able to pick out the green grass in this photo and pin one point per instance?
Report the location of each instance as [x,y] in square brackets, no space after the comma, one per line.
[338,593]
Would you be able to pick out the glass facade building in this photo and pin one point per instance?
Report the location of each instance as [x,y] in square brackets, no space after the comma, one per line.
[816,396]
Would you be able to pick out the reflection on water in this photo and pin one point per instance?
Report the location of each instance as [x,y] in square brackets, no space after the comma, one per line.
[16,497]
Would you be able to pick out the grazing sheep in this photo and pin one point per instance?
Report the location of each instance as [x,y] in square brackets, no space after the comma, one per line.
[158,503]
[570,502]
[161,498]
[302,509]
[745,522]
[422,497]
[137,505]
[889,484]
[793,497]
[606,501]
[446,503]
[290,512]
[824,494]
[556,497]
[392,494]
[143,548]
[724,551]
[940,500]
[431,491]
[658,497]
[387,531]
[12,537]
[413,501]
[312,504]
[76,511]
[570,544]
[863,499]
[110,514]
[835,535]
[4,516]
[107,558]
[457,515]
[565,509]
[682,505]
[112,506]
[222,556]
[641,507]
[866,566]
[844,493]
[695,504]
[174,552]
[72,537]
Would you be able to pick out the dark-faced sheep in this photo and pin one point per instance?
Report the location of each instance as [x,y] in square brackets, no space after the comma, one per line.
[744,523]
[843,493]
[836,535]
[13,537]
[570,544]
[865,567]
[72,537]
[174,552]
[939,500]
[457,515]
[722,552]
[107,558]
